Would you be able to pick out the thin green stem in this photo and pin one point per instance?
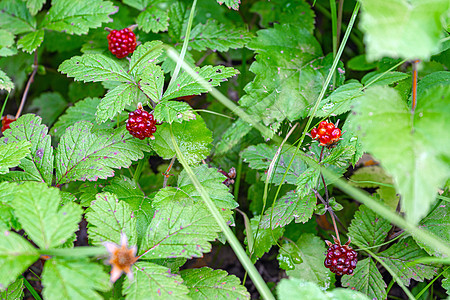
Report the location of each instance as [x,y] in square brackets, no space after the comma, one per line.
[75,252]
[231,238]
[138,172]
[30,288]
[379,245]
[334,32]
[4,105]
[391,284]
[213,113]
[430,284]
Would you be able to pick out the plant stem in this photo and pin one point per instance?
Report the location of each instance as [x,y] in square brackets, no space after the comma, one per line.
[137,173]
[414,86]
[4,105]
[339,22]
[30,288]
[231,238]
[75,252]
[27,87]
[430,284]
[335,227]
[166,174]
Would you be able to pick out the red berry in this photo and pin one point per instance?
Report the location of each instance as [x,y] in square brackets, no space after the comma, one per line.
[336,134]
[326,133]
[121,42]
[314,133]
[324,140]
[141,124]
[322,131]
[323,124]
[341,260]
[6,120]
[329,127]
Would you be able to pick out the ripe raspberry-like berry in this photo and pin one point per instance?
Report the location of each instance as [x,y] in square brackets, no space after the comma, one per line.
[6,120]
[121,42]
[327,133]
[141,124]
[341,260]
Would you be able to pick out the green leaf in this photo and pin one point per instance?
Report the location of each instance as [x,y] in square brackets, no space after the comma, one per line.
[35,5]
[234,4]
[193,138]
[153,19]
[6,38]
[218,37]
[289,207]
[93,68]
[138,4]
[307,180]
[366,279]
[340,101]
[173,111]
[153,281]
[15,17]
[438,223]
[83,110]
[85,155]
[446,281]
[38,165]
[39,211]
[109,218]
[296,12]
[263,239]
[65,278]
[11,154]
[180,227]
[399,257]
[359,63]
[31,41]
[144,55]
[116,100]
[151,81]
[76,17]
[14,291]
[185,85]
[49,113]
[213,284]
[310,249]
[367,228]
[232,136]
[5,82]
[260,156]
[386,78]
[410,148]
[401,28]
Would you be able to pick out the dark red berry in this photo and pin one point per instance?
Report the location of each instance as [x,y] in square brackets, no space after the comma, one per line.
[336,133]
[341,260]
[314,133]
[326,133]
[121,42]
[6,121]
[329,127]
[323,124]
[141,124]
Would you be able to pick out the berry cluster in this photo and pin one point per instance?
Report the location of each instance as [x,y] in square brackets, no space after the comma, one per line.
[341,260]
[6,120]
[121,42]
[141,124]
[326,133]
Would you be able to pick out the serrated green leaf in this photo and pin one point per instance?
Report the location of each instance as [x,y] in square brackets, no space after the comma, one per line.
[14,291]
[218,37]
[307,180]
[65,278]
[151,81]
[180,226]
[31,41]
[16,255]
[260,156]
[76,17]
[446,281]
[410,148]
[6,38]
[433,79]
[386,78]
[185,85]
[109,218]
[341,100]
[38,165]
[138,4]
[83,110]
[116,100]
[35,5]
[401,28]
[311,250]
[152,281]
[145,55]
[366,279]
[193,138]
[11,154]
[438,223]
[15,17]
[178,16]
[297,12]
[367,228]
[93,68]
[234,4]
[213,284]
[39,211]
[173,111]
[399,256]
[153,19]
[263,239]
[85,155]
[49,113]
[289,207]
[232,136]
[212,181]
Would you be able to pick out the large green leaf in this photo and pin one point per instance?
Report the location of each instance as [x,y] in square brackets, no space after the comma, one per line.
[180,226]
[16,255]
[232,136]
[341,100]
[38,165]
[15,17]
[402,28]
[206,283]
[65,278]
[85,155]
[446,281]
[39,210]
[76,17]
[193,138]
[311,250]
[366,279]
[5,82]
[35,5]
[263,238]
[14,291]
[153,19]
[116,100]
[11,154]
[31,41]
[109,218]
[410,147]
[151,81]
[144,55]
[173,111]
[152,281]
[367,228]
